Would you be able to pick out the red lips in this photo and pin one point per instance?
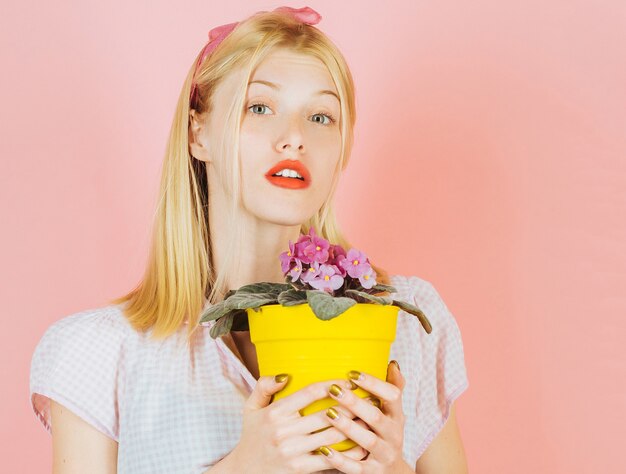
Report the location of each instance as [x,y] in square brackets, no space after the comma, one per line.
[293,165]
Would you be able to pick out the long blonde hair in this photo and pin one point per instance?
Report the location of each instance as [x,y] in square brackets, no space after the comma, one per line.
[180,276]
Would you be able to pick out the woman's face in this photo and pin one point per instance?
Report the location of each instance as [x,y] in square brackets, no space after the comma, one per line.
[291,113]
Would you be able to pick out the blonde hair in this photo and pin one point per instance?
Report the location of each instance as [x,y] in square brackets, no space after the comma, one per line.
[180,276]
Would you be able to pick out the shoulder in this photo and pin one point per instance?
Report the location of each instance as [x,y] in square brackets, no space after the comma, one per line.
[79,338]
[440,353]
[109,320]
[410,285]
[424,295]
[78,362]
[85,332]
[415,288]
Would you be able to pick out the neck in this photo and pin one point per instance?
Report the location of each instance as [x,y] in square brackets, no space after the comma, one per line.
[256,255]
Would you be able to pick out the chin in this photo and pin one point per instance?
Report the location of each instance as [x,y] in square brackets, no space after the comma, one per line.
[281,213]
[287,221]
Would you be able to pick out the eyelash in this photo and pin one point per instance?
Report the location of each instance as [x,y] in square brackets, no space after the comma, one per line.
[330,117]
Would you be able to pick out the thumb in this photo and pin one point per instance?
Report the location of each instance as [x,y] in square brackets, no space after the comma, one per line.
[394,376]
[265,387]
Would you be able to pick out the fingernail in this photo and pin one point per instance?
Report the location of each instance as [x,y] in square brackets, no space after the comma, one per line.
[353,386]
[280,378]
[355,375]
[336,390]
[332,413]
[397,365]
[374,401]
[325,451]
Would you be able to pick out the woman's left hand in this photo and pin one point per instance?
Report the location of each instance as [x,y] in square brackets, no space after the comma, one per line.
[384,443]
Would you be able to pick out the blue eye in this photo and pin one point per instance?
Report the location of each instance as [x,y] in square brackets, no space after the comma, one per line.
[330,118]
[261,106]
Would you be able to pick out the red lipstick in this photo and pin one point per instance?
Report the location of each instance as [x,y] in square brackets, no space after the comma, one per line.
[286,182]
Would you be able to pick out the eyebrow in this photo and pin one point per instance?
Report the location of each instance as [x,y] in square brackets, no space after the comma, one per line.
[276,86]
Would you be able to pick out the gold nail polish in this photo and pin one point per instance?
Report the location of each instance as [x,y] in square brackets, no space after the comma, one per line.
[396,363]
[336,390]
[355,375]
[375,401]
[281,378]
[353,386]
[325,451]
[332,413]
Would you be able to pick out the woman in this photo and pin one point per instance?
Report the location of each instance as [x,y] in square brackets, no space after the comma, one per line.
[140,387]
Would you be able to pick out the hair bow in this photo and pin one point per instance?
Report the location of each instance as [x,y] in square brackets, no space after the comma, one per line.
[305,15]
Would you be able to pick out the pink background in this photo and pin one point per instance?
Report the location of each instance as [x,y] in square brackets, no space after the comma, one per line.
[489,160]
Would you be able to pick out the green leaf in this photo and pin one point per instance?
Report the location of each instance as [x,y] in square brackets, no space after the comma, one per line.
[264,287]
[381,287]
[214,312]
[222,326]
[250,300]
[292,297]
[415,311]
[356,297]
[326,306]
[236,300]
[384,300]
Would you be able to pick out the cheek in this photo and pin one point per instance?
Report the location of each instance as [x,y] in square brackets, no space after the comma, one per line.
[252,144]
[326,143]
[248,134]
[332,150]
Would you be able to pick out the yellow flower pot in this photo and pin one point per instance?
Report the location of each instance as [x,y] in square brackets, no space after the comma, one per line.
[292,340]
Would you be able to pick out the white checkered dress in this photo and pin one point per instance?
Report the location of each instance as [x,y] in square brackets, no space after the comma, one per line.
[178,411]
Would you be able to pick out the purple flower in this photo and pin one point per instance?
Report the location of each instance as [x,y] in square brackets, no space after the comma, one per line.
[355,263]
[303,241]
[311,272]
[368,279]
[334,252]
[296,270]
[328,279]
[340,268]
[316,249]
[286,258]
[325,266]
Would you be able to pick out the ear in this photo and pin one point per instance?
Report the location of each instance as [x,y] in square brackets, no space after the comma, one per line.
[198,144]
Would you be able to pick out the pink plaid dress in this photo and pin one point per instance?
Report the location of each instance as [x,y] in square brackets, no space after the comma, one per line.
[177,409]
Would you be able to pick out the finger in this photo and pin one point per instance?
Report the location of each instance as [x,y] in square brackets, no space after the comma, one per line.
[262,393]
[385,432]
[341,461]
[312,462]
[394,376]
[382,424]
[388,393]
[357,453]
[299,400]
[316,462]
[308,443]
[308,424]
[327,436]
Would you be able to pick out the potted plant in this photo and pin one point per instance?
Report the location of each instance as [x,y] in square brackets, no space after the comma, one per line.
[329,317]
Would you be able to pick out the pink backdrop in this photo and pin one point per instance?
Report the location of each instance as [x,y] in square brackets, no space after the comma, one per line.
[490,151]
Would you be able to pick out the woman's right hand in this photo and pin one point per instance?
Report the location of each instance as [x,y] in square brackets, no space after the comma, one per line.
[276,438]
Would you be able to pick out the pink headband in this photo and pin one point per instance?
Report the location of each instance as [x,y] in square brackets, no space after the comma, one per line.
[305,15]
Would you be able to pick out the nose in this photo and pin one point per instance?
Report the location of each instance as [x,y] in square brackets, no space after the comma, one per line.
[291,138]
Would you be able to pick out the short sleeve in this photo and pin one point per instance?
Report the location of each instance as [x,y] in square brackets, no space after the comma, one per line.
[78,363]
[442,375]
